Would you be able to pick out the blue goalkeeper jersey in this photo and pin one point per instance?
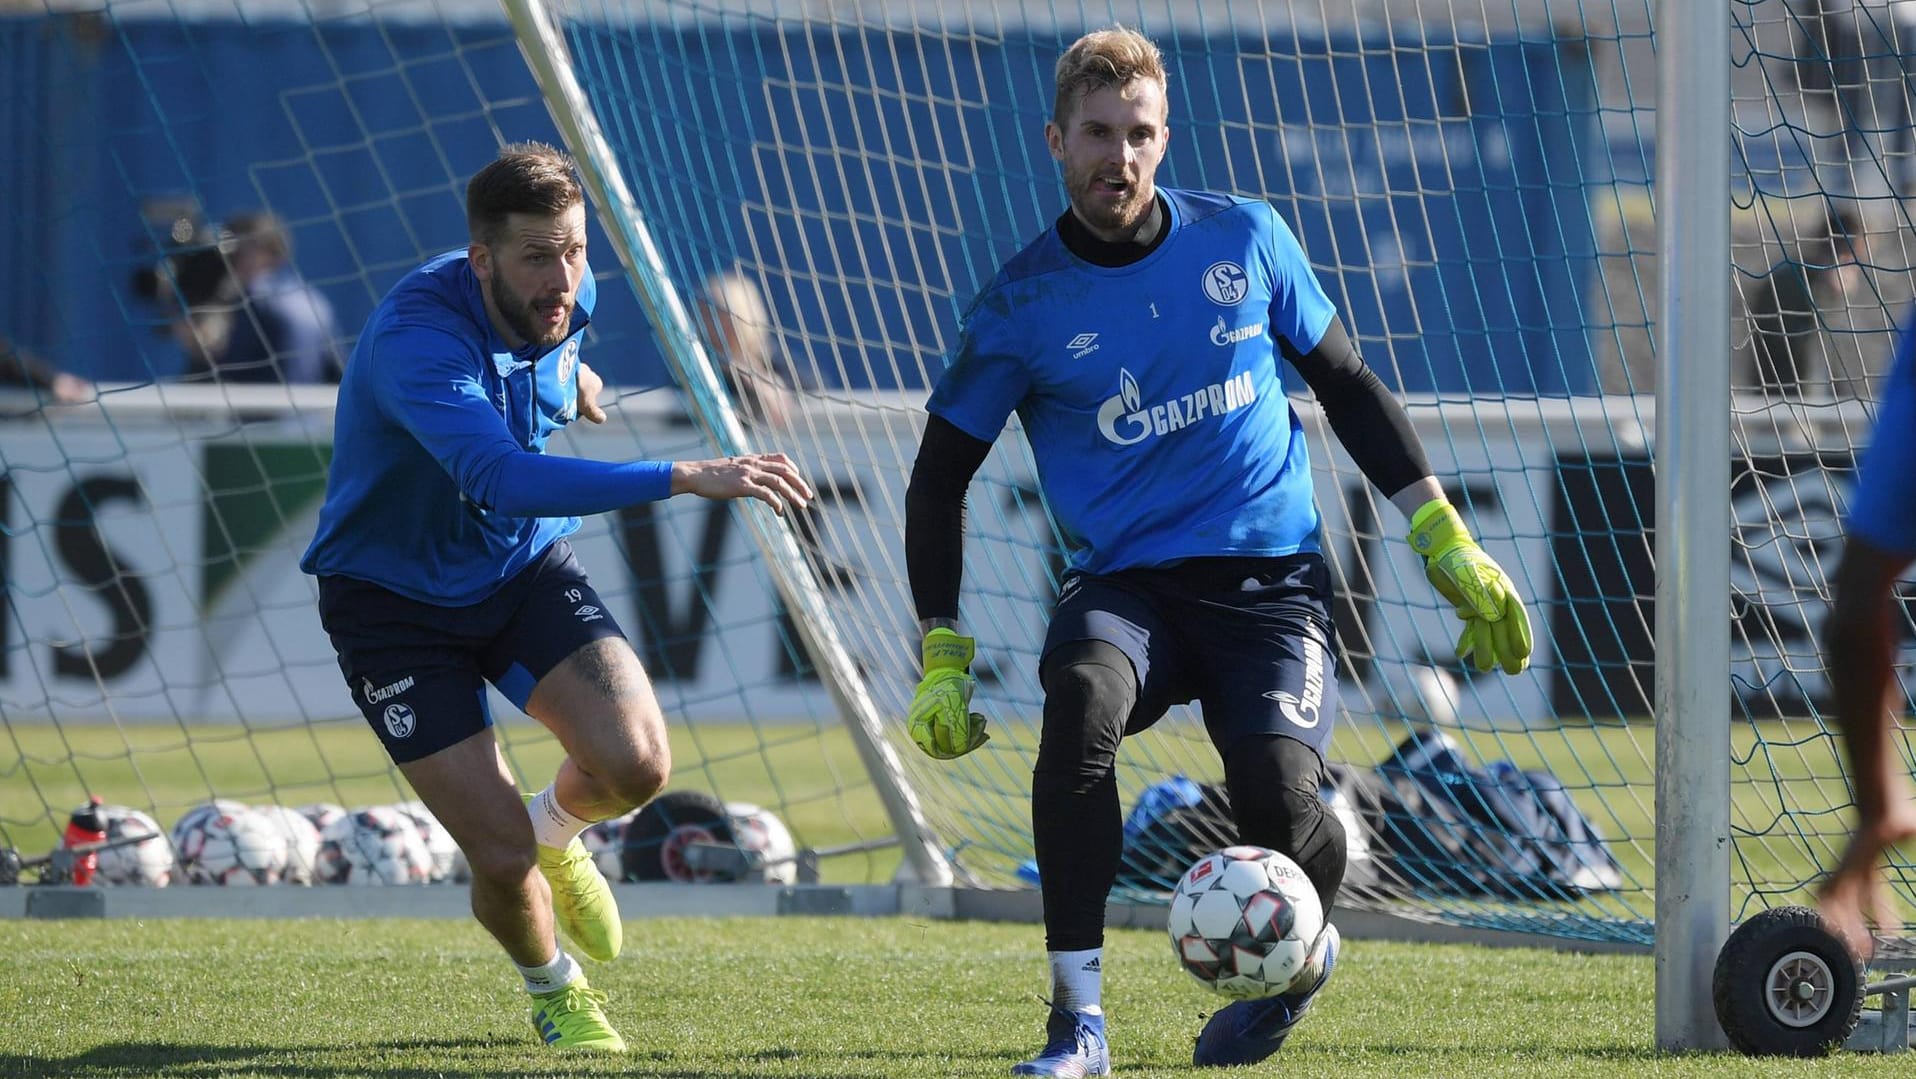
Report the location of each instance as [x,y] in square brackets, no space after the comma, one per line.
[432,406]
[1150,392]
[1883,509]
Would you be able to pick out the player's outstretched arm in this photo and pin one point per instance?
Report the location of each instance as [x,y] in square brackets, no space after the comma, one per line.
[771,478]
[1860,640]
[940,719]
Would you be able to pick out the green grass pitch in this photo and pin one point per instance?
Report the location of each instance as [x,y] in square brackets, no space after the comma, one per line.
[767,997]
[804,998]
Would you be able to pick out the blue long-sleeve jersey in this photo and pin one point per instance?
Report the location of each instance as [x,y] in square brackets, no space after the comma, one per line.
[439,487]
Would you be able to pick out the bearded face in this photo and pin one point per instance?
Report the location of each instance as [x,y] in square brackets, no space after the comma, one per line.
[1110,148]
[531,272]
[543,320]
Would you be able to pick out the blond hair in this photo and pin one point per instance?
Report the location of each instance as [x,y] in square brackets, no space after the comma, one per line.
[1102,59]
[737,319]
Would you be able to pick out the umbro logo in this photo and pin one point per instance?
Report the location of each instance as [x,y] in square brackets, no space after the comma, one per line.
[589,613]
[1083,345]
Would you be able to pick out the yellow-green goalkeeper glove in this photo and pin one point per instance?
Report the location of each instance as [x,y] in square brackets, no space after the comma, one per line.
[942,722]
[1496,626]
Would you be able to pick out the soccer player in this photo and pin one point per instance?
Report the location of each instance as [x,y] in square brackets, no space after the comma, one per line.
[443,564]
[1861,639]
[1138,340]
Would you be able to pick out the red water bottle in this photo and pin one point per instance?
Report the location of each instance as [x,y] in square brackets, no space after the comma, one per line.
[85,826]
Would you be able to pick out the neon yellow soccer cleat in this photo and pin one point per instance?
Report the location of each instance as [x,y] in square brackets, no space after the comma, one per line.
[582,901]
[574,1018]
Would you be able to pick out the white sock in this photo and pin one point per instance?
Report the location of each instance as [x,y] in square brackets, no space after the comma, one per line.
[1077,980]
[562,970]
[1312,971]
[553,826]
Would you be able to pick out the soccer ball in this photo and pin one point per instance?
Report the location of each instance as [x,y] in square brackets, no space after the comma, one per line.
[242,848]
[193,819]
[149,863]
[448,863]
[756,831]
[377,845]
[302,842]
[1243,921]
[329,861]
[321,814]
[605,841]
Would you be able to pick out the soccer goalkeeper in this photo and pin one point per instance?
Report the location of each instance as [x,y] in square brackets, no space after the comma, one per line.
[443,565]
[1138,340]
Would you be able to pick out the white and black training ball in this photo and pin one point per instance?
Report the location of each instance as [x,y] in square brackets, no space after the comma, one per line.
[192,819]
[377,845]
[759,833]
[302,843]
[448,862]
[1243,921]
[149,862]
[240,848]
[329,863]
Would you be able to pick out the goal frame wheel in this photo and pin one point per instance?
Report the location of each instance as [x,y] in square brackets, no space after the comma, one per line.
[654,843]
[1786,985]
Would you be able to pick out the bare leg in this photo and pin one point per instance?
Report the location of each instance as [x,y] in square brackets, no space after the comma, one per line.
[600,704]
[467,786]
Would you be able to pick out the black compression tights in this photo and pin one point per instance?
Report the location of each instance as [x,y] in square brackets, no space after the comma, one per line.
[1089,691]
[1077,825]
[1273,782]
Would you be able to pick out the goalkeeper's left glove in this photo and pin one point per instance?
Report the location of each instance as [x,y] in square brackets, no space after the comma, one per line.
[1496,627]
[941,719]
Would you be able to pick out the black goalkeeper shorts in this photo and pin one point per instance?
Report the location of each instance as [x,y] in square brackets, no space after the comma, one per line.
[1249,639]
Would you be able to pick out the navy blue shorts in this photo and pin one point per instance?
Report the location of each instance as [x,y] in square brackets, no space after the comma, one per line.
[1249,639]
[418,671]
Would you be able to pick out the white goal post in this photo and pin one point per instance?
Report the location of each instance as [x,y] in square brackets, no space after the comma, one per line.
[1693,502]
[785,560]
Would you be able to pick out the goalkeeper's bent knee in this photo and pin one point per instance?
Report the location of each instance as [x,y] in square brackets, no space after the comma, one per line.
[1273,782]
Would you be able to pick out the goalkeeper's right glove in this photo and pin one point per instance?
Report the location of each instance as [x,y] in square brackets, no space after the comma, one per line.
[942,722]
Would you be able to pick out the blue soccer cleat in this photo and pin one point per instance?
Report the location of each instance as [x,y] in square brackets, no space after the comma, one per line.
[1074,1046]
[1250,1030]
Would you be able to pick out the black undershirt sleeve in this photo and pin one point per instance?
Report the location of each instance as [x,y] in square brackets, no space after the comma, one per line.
[935,516]
[1366,417]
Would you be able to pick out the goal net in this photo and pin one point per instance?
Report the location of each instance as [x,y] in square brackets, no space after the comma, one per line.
[807,197]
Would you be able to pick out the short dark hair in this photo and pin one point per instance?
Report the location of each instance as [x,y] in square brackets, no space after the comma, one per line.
[528,178]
